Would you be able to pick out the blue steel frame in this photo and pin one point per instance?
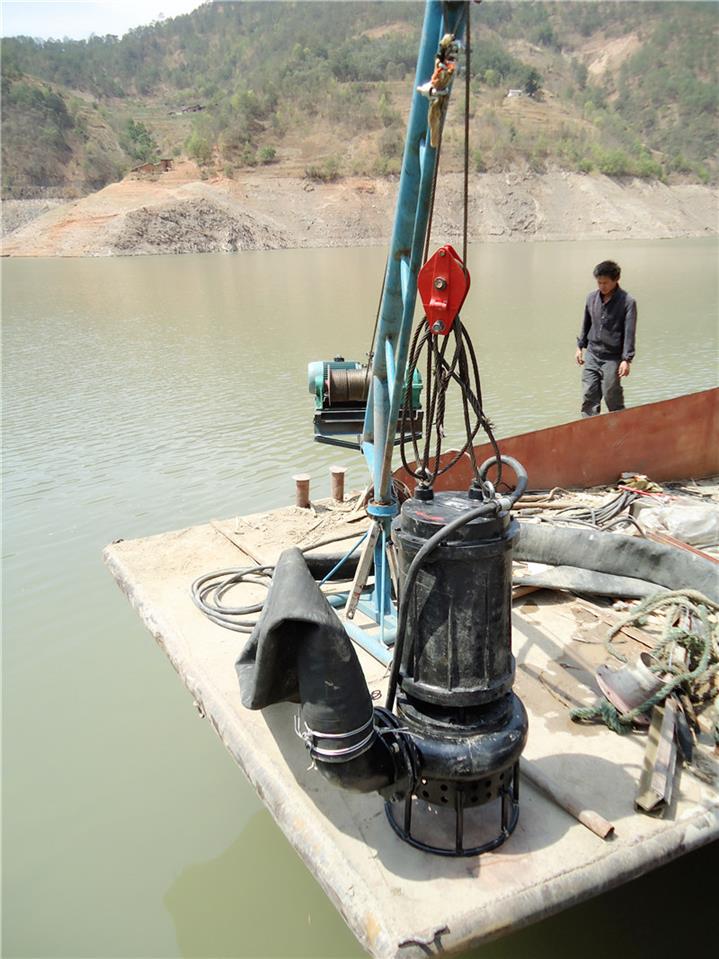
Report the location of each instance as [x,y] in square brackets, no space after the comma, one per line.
[395,320]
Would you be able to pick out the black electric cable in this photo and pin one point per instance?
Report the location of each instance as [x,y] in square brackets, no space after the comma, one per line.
[463,370]
[602,514]
[208,590]
[624,519]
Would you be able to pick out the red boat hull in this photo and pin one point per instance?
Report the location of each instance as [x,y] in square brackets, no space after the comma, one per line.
[671,440]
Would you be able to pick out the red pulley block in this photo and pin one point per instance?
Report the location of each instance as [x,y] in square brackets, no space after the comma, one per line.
[443,284]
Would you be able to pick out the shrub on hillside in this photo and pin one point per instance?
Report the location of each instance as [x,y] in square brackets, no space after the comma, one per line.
[326,172]
[199,148]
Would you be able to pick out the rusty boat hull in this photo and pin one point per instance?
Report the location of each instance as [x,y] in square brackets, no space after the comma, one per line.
[669,440]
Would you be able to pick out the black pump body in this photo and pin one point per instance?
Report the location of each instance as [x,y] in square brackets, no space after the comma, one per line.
[459,613]
[458,729]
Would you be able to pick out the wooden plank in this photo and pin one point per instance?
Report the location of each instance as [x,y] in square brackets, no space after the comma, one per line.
[656,783]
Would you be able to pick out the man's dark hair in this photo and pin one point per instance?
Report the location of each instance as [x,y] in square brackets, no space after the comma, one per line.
[608,268]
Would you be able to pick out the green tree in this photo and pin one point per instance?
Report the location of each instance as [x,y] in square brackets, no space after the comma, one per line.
[139,142]
[199,148]
[532,82]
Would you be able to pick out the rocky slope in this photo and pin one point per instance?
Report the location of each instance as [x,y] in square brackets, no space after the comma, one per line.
[178,212]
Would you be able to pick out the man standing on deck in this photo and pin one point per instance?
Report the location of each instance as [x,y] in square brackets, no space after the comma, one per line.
[607,334]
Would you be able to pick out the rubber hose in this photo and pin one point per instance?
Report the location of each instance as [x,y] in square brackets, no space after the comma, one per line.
[299,650]
[619,554]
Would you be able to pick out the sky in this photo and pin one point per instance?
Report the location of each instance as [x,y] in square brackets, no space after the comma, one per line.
[77,19]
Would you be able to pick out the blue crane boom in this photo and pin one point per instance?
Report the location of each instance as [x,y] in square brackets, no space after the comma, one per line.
[396,315]
[405,256]
[350,399]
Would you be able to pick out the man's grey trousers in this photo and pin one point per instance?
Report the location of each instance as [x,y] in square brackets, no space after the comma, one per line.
[600,380]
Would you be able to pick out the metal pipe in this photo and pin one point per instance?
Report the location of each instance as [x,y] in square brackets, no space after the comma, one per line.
[389,362]
[369,642]
[381,426]
[563,797]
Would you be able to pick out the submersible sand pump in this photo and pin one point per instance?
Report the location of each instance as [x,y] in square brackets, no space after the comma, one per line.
[451,732]
[454,672]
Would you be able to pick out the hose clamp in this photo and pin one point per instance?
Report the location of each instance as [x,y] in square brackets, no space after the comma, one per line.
[311,737]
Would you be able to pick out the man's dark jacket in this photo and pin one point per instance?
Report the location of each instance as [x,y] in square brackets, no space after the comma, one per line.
[608,329]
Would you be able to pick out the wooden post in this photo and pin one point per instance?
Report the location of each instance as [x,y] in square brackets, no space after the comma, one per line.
[337,477]
[302,490]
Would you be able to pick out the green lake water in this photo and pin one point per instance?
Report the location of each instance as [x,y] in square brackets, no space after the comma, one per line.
[151,393]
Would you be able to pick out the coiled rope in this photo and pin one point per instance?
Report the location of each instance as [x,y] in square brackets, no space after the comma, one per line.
[702,656]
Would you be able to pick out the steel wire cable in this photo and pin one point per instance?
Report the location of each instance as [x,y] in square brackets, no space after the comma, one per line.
[463,368]
[370,352]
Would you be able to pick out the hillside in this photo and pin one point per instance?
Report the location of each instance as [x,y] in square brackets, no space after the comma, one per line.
[179,212]
[321,90]
[54,143]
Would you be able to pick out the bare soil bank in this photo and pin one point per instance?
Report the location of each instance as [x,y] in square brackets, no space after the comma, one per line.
[178,212]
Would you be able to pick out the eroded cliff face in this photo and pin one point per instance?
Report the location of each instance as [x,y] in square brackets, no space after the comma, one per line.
[178,212]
